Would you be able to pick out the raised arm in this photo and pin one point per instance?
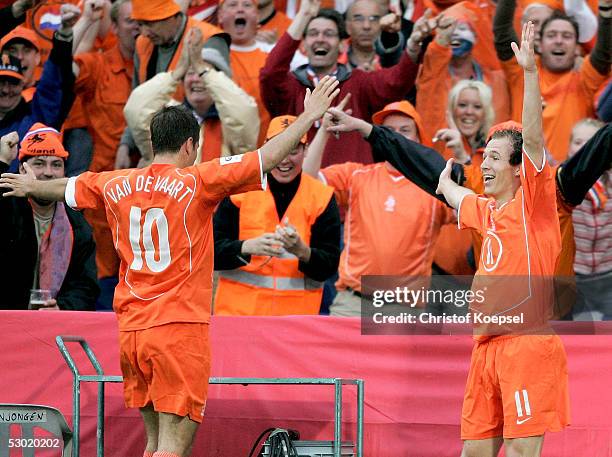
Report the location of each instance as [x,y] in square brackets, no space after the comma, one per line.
[602,53]
[314,153]
[87,27]
[308,10]
[503,28]
[315,105]
[276,85]
[418,163]
[27,185]
[453,192]
[13,15]
[533,139]
[580,172]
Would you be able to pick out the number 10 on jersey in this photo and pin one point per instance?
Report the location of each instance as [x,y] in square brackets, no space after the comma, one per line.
[157,258]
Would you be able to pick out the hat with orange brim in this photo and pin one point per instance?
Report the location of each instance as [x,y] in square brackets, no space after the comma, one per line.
[407,109]
[20,34]
[279,124]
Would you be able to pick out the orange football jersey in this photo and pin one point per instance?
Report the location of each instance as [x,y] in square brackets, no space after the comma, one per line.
[161,221]
[520,248]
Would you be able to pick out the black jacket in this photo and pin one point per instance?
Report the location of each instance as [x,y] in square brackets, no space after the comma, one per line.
[324,238]
[19,251]
[423,165]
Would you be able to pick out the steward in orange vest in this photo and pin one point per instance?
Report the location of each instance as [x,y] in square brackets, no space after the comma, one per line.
[276,247]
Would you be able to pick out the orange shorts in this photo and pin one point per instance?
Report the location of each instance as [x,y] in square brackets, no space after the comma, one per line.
[516,388]
[167,366]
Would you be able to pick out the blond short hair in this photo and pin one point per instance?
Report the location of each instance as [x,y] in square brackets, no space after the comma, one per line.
[486,98]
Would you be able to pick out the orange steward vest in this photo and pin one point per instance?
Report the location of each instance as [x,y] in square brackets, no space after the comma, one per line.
[273,286]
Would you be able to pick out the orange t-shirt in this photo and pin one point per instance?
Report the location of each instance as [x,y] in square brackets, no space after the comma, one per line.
[391,224]
[521,245]
[568,98]
[76,117]
[435,83]
[161,220]
[565,266]
[104,83]
[279,23]
[246,61]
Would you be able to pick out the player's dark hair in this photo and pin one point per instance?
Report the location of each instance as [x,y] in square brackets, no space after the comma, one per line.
[516,142]
[334,16]
[171,127]
[559,15]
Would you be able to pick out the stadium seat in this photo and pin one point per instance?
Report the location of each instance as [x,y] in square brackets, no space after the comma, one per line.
[28,417]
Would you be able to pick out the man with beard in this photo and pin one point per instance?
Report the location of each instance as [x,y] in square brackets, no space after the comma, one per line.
[567,92]
[44,244]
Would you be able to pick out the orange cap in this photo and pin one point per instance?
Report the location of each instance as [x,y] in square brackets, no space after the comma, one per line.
[21,33]
[403,107]
[279,124]
[42,141]
[153,10]
[508,125]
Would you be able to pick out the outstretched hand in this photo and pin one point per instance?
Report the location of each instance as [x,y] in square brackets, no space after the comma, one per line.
[19,185]
[525,56]
[423,27]
[445,176]
[195,42]
[328,117]
[445,26]
[317,102]
[184,62]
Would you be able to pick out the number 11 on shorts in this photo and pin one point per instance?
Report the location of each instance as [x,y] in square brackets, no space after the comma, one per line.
[522,405]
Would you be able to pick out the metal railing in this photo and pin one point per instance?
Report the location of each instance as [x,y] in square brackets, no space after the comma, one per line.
[101,379]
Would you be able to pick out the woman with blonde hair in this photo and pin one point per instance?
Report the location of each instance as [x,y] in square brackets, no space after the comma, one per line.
[469,117]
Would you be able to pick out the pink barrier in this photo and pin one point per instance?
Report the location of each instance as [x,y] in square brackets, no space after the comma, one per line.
[413,384]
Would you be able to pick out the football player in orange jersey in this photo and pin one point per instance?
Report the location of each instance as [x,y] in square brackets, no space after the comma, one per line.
[517,385]
[161,220]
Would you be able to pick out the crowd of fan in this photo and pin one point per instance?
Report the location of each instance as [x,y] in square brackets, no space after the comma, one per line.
[422,79]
